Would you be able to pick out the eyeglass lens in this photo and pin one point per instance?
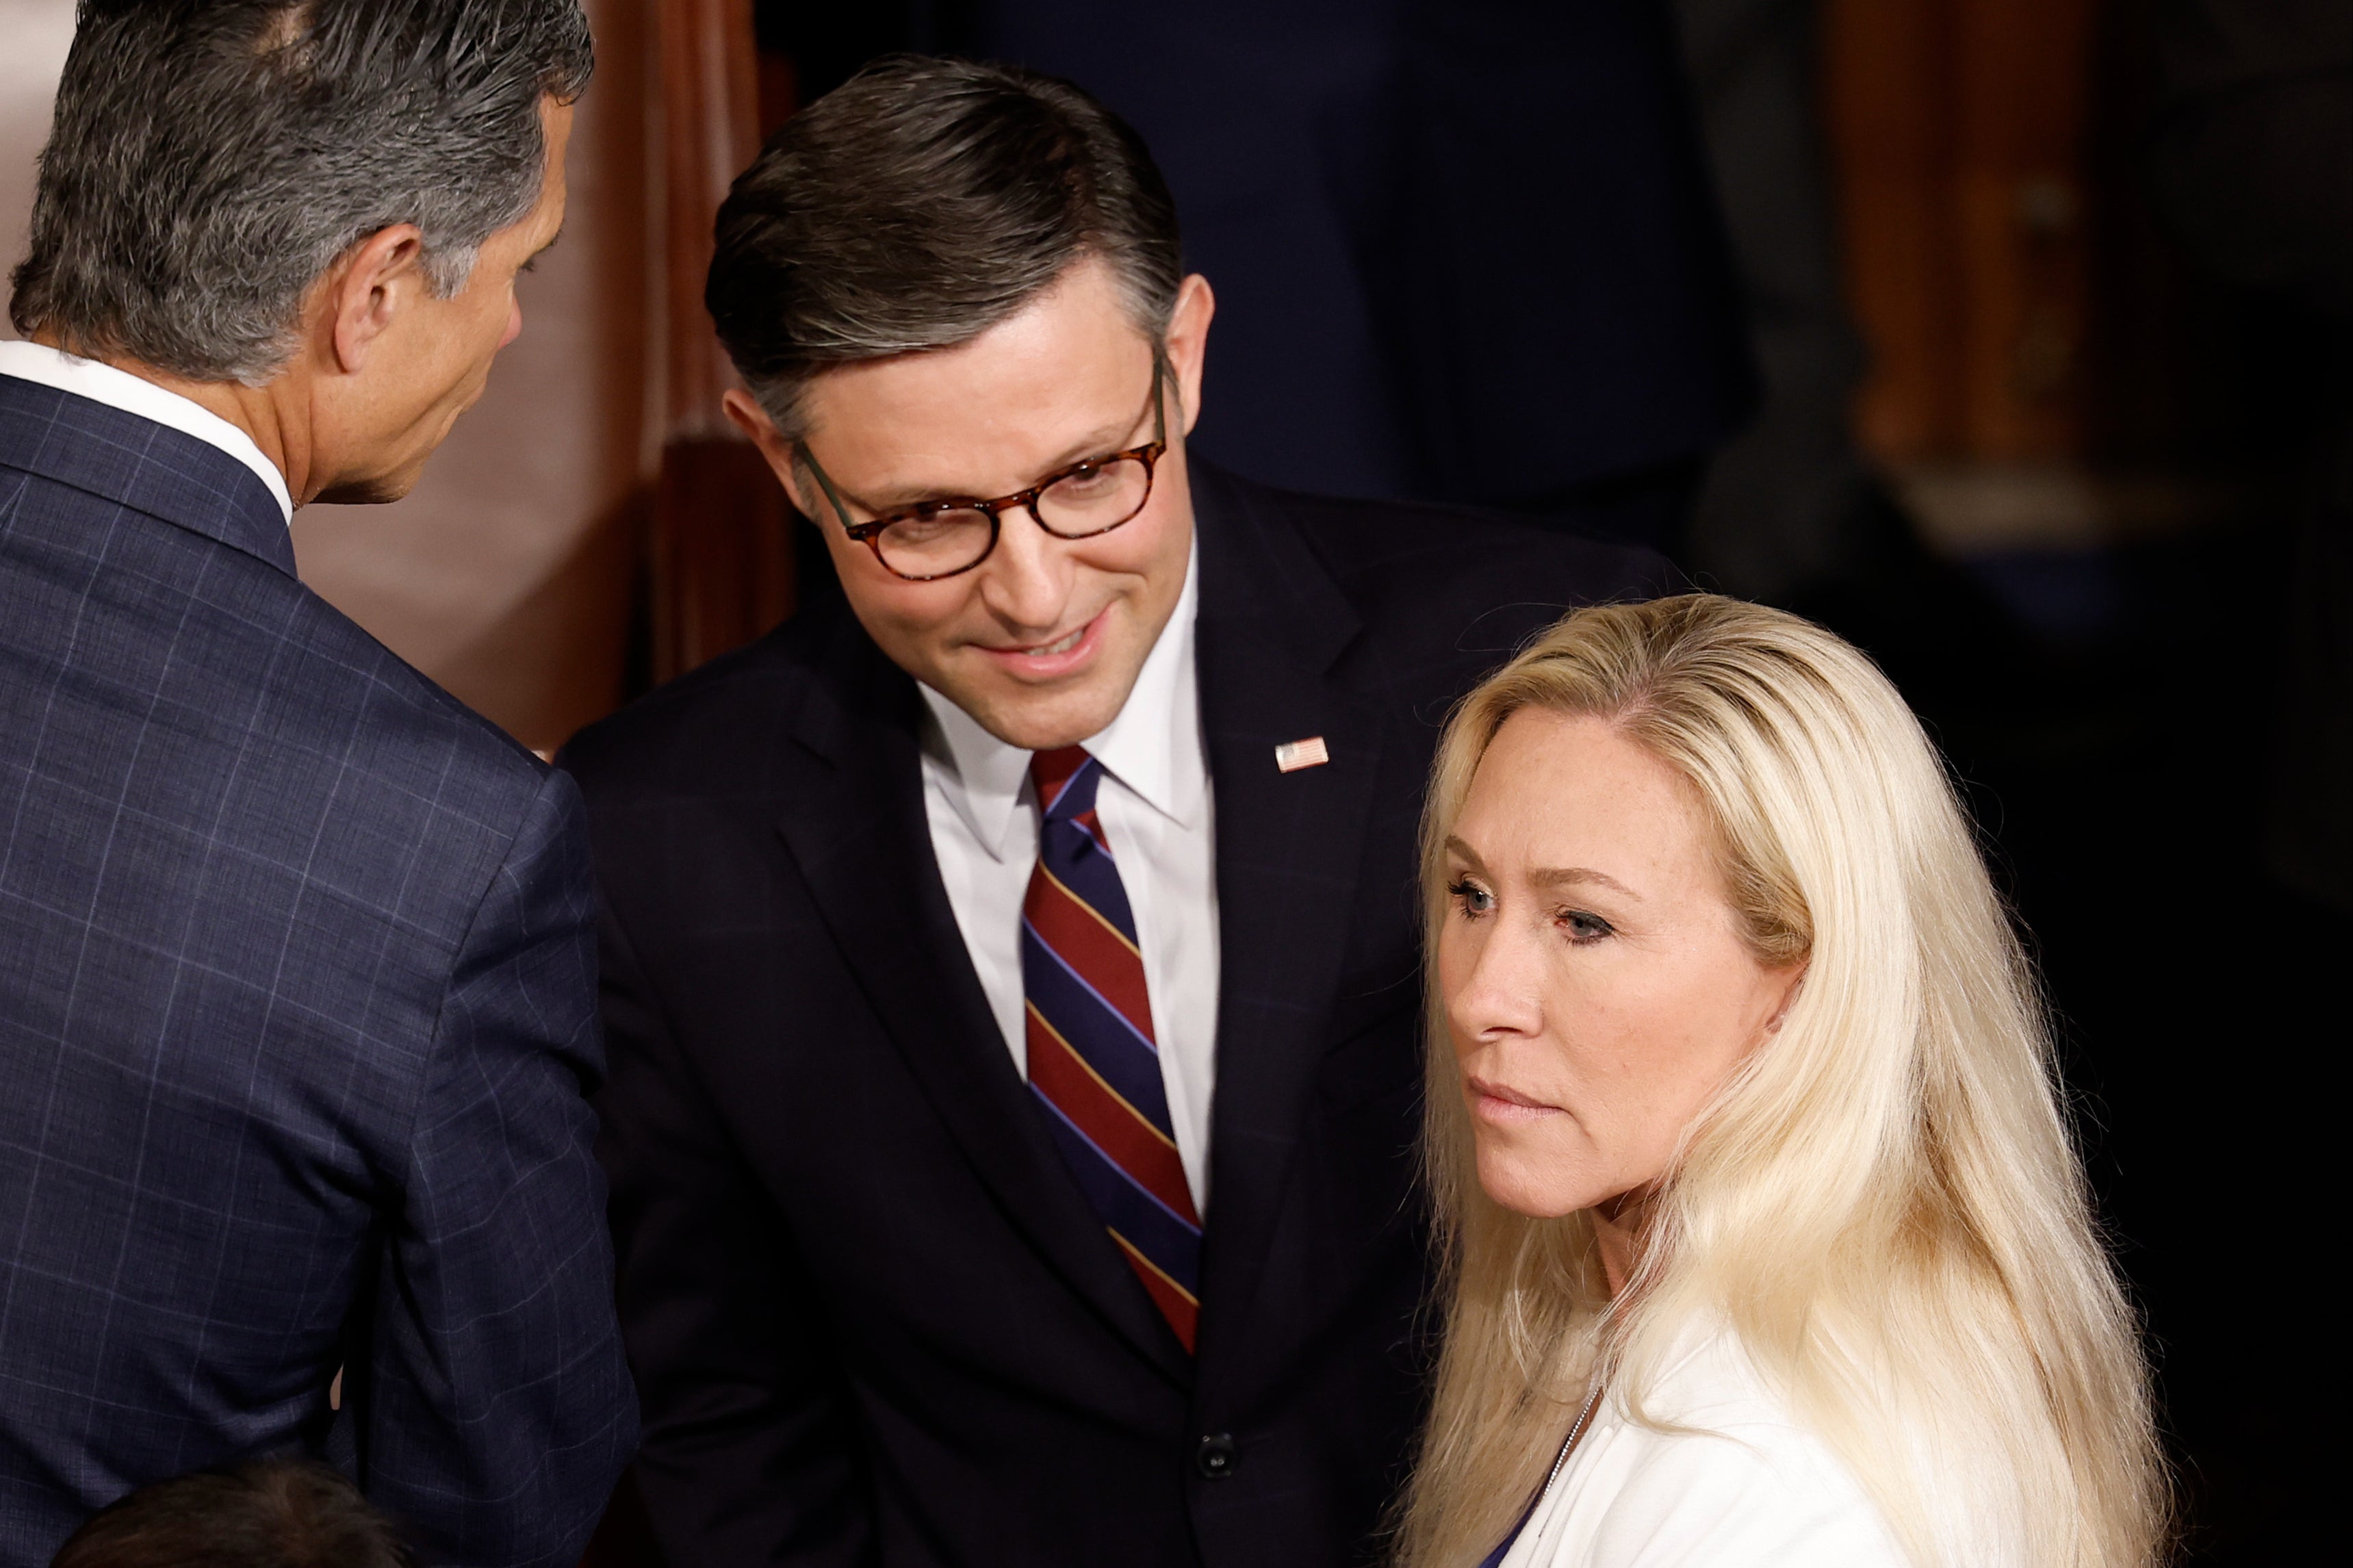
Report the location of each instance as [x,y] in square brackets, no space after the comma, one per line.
[1093,500]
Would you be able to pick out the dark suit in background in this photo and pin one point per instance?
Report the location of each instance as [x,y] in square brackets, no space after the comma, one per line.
[871,1315]
[2252,161]
[1464,249]
[296,1021]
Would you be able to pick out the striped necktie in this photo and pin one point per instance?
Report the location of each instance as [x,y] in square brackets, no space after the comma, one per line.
[1094,1066]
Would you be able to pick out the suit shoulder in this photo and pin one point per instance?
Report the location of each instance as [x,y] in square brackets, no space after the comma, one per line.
[409,728]
[1446,594]
[700,725]
[1369,545]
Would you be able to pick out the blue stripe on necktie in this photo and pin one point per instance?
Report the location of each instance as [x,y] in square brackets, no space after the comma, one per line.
[1071,852]
[1102,1039]
[1040,962]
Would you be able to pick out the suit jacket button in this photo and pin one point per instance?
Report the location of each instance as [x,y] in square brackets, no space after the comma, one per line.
[1216,1458]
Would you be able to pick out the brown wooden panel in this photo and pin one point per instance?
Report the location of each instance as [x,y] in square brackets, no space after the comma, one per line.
[1958,129]
[722,556]
[719,564]
[2022,88]
[1887,107]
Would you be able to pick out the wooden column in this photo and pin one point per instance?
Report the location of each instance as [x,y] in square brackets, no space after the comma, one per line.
[1957,127]
[719,557]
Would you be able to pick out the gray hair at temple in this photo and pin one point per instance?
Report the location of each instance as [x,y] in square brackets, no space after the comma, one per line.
[210,159]
[917,206]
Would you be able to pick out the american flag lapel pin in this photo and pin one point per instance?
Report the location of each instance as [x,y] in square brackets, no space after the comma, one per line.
[1292,755]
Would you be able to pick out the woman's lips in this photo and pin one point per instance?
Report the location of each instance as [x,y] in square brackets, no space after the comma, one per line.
[1056,657]
[1495,1103]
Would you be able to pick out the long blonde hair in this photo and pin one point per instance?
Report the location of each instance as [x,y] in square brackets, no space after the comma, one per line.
[1882,1204]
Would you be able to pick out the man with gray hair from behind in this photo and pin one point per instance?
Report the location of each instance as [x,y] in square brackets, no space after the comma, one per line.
[297,979]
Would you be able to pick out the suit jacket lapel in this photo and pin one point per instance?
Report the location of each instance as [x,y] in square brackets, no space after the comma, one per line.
[864,847]
[1271,625]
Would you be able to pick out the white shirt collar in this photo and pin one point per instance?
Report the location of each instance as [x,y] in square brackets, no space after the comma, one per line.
[1153,746]
[120,389]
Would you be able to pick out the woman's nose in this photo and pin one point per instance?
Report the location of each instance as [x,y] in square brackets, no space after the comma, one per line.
[1502,993]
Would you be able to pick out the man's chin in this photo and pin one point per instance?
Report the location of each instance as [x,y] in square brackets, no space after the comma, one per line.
[374,491]
[1038,721]
[1041,732]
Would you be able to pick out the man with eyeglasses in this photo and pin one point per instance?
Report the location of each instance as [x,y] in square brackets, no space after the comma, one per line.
[1011,974]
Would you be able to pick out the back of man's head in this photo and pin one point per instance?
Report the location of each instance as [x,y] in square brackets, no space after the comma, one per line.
[917,206]
[210,159]
[267,1514]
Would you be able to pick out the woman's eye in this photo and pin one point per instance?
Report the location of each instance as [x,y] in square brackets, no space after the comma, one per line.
[1474,898]
[1585,928]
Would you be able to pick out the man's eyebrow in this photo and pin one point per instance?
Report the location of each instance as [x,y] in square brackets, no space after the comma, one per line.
[533,259]
[1101,443]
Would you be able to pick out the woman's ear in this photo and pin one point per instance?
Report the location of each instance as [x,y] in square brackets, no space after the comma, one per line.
[1789,997]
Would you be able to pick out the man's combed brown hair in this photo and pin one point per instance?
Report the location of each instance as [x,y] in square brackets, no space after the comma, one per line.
[917,206]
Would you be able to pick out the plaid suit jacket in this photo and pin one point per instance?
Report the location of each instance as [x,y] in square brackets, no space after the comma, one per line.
[297,1027]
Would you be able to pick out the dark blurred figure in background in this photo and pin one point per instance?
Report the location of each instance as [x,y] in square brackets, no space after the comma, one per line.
[1784,508]
[266,1514]
[2252,163]
[1464,251]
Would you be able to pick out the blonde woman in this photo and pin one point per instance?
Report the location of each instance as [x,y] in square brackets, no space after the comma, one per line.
[1766,1242]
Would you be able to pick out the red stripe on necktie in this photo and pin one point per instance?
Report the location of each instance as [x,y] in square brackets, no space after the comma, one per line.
[1052,772]
[1094,948]
[1115,1127]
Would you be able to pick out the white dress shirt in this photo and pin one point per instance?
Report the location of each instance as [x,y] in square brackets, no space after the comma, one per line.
[120,389]
[1745,1485]
[1155,806]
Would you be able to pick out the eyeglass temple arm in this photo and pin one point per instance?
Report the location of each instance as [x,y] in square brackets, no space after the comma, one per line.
[840,512]
[1162,376]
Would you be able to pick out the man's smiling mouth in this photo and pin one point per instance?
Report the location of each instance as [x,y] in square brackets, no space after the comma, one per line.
[1062,646]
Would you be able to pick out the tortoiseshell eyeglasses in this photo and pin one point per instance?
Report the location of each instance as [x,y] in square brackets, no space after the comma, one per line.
[935,539]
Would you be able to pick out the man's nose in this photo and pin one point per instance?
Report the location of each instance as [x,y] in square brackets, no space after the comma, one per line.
[1027,581]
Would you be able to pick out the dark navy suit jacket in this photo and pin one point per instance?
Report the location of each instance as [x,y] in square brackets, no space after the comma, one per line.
[297,1030]
[875,1323]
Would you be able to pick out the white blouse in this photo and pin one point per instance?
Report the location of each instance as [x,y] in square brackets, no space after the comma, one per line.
[1750,1488]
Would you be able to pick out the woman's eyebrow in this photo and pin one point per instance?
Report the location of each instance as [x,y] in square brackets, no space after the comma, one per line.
[1549,878]
[1580,875]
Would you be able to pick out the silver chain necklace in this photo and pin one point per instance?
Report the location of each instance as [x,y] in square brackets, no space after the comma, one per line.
[1584,1419]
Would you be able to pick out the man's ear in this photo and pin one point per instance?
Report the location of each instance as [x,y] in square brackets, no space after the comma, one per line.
[1188,344]
[379,277]
[753,420]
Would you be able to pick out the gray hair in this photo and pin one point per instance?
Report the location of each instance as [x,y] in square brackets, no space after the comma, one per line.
[210,159]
